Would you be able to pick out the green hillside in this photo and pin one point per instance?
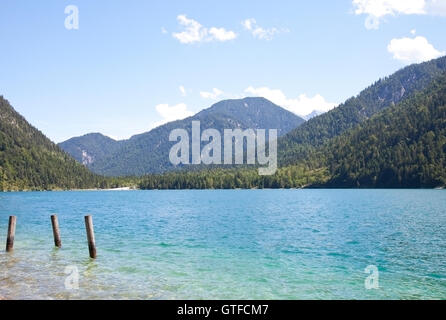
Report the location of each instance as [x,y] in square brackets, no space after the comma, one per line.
[30,161]
[90,147]
[385,93]
[403,146]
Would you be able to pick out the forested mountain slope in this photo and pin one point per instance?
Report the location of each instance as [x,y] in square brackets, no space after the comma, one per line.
[384,93]
[403,146]
[29,160]
[90,147]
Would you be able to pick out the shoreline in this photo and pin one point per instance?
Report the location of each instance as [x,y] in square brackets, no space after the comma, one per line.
[68,190]
[235,189]
[108,189]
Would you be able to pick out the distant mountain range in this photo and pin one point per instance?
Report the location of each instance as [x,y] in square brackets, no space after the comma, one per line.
[393,134]
[149,152]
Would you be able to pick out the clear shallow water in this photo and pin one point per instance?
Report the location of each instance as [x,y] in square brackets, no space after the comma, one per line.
[232,244]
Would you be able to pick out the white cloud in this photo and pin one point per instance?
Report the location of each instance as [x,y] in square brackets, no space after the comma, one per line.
[163,30]
[183,91]
[259,32]
[194,32]
[171,113]
[211,95]
[412,50]
[381,8]
[436,7]
[413,31]
[221,34]
[303,105]
[376,10]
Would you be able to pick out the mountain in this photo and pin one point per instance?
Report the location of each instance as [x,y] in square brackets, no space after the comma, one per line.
[255,113]
[149,152]
[313,114]
[398,144]
[30,161]
[403,146]
[90,147]
[384,93]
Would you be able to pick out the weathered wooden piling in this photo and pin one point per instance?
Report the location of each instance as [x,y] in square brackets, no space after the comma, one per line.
[90,236]
[56,231]
[11,233]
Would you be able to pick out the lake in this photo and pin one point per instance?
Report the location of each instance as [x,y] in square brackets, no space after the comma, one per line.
[227,244]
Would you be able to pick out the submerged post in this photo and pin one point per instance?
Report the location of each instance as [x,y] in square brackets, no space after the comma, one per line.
[11,233]
[56,232]
[90,236]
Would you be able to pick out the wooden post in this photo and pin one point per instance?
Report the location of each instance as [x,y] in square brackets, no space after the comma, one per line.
[90,236]
[11,233]
[56,231]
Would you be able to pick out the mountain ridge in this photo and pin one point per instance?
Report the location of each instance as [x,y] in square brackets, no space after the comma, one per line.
[85,149]
[149,152]
[403,146]
[380,95]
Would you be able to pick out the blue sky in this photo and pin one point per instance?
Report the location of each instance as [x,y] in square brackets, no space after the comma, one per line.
[132,65]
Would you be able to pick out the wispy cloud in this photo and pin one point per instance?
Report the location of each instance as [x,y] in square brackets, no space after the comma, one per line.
[214,94]
[183,91]
[436,7]
[260,32]
[376,10]
[194,32]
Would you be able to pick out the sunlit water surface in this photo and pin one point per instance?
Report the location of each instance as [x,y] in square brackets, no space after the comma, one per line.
[232,244]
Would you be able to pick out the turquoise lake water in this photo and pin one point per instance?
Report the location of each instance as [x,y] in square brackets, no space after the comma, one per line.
[227,244]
